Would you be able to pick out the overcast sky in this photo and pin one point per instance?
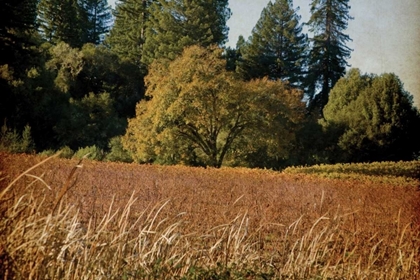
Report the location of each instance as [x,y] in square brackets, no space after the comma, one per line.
[385,33]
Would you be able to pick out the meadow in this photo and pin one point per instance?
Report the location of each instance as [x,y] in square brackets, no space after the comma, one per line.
[71,219]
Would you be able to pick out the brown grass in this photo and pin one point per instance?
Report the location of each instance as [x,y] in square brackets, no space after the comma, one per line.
[110,221]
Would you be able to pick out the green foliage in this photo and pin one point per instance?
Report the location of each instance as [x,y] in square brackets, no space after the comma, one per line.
[328,54]
[97,20]
[233,56]
[91,152]
[372,118]
[66,152]
[74,22]
[117,151]
[18,54]
[175,25]
[53,95]
[196,110]
[91,91]
[95,69]
[67,63]
[198,113]
[277,47]
[17,22]
[12,141]
[396,173]
[408,169]
[79,95]
[29,97]
[89,121]
[222,272]
[275,115]
[48,152]
[127,36]
[61,20]
[310,145]
[103,71]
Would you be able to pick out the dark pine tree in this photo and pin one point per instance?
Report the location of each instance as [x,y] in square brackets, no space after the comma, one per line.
[98,19]
[277,47]
[17,22]
[176,24]
[329,52]
[127,36]
[17,29]
[62,20]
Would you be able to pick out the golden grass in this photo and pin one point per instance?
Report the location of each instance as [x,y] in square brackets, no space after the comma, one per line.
[125,221]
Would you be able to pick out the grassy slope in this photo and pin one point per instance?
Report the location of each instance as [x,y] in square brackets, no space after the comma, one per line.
[290,225]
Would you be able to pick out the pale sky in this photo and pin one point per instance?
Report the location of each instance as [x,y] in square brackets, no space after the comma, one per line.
[385,33]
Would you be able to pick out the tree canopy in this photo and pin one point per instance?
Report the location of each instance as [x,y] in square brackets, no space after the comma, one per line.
[17,21]
[71,76]
[17,43]
[174,25]
[128,35]
[60,20]
[277,47]
[329,52]
[74,22]
[98,18]
[197,110]
[373,118]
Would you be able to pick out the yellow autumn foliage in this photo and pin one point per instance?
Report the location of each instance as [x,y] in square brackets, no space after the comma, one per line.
[197,112]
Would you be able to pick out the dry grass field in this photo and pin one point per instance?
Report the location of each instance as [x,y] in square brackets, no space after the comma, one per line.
[66,219]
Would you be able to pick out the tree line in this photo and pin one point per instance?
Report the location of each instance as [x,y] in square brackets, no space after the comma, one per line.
[152,81]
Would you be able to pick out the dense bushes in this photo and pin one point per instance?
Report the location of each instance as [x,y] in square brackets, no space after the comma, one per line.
[409,169]
[14,142]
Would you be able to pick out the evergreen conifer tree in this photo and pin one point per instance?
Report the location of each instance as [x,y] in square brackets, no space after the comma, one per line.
[277,47]
[127,36]
[97,16]
[17,20]
[17,27]
[328,54]
[176,24]
[61,20]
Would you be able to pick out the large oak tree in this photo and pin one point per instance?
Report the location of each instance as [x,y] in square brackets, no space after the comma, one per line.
[197,112]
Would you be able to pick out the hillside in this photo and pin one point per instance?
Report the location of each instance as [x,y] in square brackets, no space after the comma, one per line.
[233,220]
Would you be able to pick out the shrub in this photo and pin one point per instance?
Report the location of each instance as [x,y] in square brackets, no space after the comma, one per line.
[117,151]
[48,152]
[91,152]
[66,152]
[408,169]
[12,141]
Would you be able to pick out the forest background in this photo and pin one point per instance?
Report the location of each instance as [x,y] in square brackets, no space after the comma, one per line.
[385,33]
[81,78]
